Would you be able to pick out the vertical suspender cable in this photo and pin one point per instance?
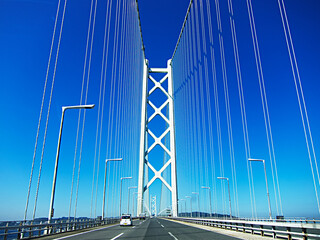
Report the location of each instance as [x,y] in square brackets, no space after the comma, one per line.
[41,108]
[193,102]
[208,101]
[49,107]
[186,78]
[239,80]
[187,118]
[263,99]
[182,29]
[215,88]
[85,101]
[301,100]
[226,98]
[241,95]
[79,115]
[112,101]
[190,116]
[202,95]
[103,88]
[196,111]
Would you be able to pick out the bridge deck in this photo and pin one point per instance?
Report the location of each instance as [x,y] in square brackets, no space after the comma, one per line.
[153,228]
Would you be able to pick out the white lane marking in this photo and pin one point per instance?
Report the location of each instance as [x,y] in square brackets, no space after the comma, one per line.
[84,232]
[172,236]
[133,226]
[162,225]
[117,236]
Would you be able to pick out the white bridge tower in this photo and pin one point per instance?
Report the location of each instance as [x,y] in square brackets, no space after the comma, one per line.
[145,149]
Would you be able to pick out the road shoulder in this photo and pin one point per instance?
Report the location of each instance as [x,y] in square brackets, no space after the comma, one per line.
[74,233]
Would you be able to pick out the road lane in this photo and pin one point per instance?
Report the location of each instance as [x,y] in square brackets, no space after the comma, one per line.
[180,231]
[110,232]
[156,231]
[150,229]
[161,229]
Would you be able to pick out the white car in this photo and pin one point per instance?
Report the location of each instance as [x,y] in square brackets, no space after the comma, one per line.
[126,220]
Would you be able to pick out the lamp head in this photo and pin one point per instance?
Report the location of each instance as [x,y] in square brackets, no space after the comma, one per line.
[223,178]
[114,159]
[255,160]
[126,178]
[90,106]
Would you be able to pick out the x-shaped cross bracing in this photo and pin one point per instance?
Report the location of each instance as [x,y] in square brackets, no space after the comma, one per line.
[158,140]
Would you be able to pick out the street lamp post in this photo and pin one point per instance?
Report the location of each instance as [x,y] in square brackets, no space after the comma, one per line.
[265,174]
[133,203]
[179,207]
[224,178]
[209,198]
[51,212]
[196,193]
[105,180]
[129,195]
[190,205]
[121,192]
[185,205]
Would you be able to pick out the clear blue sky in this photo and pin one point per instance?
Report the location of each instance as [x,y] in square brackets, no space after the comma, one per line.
[25,37]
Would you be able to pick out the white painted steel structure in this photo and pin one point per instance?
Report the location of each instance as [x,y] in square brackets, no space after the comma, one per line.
[144,182]
[121,193]
[265,174]
[227,179]
[129,198]
[154,205]
[51,210]
[203,187]
[105,181]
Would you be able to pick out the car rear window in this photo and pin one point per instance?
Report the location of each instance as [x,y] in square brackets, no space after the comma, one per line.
[125,217]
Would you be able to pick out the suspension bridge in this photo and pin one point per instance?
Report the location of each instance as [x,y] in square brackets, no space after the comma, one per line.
[219,140]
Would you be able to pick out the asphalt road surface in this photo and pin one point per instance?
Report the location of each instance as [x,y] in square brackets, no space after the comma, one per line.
[154,228]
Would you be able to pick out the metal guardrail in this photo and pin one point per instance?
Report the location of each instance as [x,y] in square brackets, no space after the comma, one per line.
[291,229]
[25,231]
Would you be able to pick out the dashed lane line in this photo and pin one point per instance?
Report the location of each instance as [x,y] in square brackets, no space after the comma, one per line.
[117,236]
[174,237]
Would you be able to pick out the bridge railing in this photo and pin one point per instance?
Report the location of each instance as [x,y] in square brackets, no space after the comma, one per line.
[291,229]
[22,231]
